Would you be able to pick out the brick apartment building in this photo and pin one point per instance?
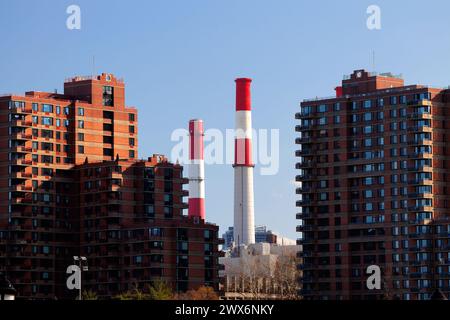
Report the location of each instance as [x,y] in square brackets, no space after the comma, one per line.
[374,174]
[71,185]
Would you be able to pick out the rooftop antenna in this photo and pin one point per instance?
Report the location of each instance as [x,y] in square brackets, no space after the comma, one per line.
[373,60]
[93,66]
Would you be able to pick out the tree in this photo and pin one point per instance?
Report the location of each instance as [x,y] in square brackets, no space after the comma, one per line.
[89,295]
[257,276]
[202,293]
[160,290]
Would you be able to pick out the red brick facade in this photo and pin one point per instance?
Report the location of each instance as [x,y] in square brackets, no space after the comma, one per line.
[374,173]
[70,185]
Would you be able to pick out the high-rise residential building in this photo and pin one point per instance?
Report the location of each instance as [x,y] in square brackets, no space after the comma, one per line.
[71,185]
[374,170]
[262,234]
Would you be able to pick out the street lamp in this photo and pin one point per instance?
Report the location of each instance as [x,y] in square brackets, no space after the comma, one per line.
[81,260]
[7,291]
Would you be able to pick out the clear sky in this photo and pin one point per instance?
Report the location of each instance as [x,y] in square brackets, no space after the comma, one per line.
[179,59]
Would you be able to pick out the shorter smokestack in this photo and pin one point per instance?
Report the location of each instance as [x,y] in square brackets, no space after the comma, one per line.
[196,170]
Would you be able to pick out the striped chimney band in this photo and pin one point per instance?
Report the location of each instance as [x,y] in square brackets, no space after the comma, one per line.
[196,170]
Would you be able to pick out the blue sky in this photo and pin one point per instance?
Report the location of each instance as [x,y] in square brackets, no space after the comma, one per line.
[179,59]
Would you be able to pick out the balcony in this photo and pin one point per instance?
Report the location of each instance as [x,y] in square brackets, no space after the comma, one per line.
[303,177]
[302,127]
[22,187]
[21,175]
[303,202]
[21,123]
[21,161]
[303,215]
[420,208]
[20,200]
[304,241]
[22,136]
[421,155]
[304,164]
[420,115]
[303,152]
[417,195]
[420,129]
[304,115]
[304,228]
[303,140]
[420,103]
[420,142]
[302,190]
[421,168]
[421,182]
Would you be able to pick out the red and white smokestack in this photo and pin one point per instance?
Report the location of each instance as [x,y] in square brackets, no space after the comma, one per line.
[196,170]
[244,216]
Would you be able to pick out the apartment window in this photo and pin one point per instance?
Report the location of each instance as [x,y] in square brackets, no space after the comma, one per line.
[380,115]
[34,106]
[337,106]
[35,119]
[81,111]
[107,152]
[81,149]
[167,199]
[46,121]
[381,102]
[66,111]
[367,104]
[107,139]
[47,134]
[108,96]
[80,136]
[81,124]
[131,117]
[131,154]
[337,119]
[322,121]
[393,100]
[47,146]
[322,108]
[367,116]
[131,142]
[47,108]
[58,109]
[66,123]
[108,115]
[368,129]
[58,122]
[47,159]
[131,129]
[402,99]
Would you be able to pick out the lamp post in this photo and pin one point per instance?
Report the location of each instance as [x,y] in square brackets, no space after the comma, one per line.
[81,260]
[7,291]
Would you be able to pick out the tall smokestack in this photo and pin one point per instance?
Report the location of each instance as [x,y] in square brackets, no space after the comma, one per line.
[196,170]
[244,216]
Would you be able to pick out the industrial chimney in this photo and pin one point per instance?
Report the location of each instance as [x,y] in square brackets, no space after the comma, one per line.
[244,216]
[196,170]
